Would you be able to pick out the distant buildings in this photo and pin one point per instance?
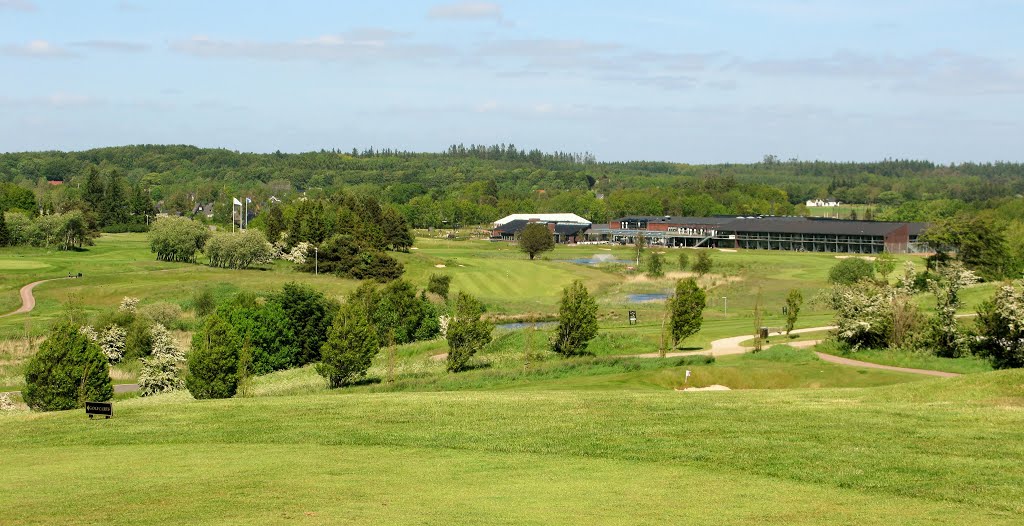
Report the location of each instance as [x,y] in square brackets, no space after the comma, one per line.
[830,202]
[801,234]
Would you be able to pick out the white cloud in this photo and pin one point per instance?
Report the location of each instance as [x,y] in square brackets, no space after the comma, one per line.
[18,5]
[467,11]
[113,45]
[358,45]
[36,48]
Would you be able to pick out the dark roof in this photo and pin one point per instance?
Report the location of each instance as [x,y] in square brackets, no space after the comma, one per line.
[804,225]
[677,220]
[512,227]
[569,229]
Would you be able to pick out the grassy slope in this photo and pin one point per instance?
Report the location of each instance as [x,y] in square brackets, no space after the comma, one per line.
[935,451]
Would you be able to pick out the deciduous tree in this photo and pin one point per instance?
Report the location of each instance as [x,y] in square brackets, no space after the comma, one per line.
[687,308]
[577,321]
[467,333]
[535,239]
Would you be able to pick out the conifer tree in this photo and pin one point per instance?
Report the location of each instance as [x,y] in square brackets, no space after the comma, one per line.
[577,321]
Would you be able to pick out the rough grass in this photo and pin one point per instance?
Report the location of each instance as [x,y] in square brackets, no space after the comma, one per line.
[913,360]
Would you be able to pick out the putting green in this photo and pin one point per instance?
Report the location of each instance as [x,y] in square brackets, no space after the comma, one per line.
[22,264]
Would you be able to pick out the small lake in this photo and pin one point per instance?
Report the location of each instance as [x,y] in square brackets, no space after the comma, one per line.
[640,298]
[523,325]
[597,259]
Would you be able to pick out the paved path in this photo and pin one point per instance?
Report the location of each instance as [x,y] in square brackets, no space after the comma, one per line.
[28,301]
[727,346]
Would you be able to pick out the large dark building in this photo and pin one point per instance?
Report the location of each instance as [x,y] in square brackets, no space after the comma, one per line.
[802,234]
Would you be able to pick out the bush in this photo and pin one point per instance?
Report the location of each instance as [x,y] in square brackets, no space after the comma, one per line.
[850,271]
[68,370]
[350,347]
[203,303]
[343,256]
[310,315]
[655,266]
[703,264]
[399,315]
[467,334]
[439,284]
[213,362]
[684,260]
[239,250]
[160,372]
[577,321]
[264,329]
[177,239]
[164,313]
[1000,327]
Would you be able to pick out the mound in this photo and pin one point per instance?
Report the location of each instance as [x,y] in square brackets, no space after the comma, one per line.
[994,388]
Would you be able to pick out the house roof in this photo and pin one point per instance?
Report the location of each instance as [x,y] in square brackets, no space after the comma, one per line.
[543,218]
[806,225]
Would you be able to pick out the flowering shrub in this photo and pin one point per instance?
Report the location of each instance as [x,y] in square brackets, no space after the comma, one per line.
[129,304]
[298,253]
[160,372]
[1000,326]
[6,404]
[113,341]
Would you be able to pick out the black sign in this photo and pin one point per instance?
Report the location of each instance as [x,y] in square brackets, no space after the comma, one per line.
[105,409]
[632,317]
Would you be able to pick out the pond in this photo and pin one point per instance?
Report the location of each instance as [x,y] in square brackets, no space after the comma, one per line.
[597,259]
[640,298]
[523,325]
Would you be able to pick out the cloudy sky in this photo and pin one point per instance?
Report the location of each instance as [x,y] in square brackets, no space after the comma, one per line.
[686,81]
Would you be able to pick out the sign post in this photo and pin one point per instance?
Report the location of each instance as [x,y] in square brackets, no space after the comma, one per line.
[104,409]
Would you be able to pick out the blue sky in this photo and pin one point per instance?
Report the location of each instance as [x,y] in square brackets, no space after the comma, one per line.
[698,82]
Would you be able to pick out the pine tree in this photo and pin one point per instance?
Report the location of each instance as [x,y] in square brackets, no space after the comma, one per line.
[68,371]
[349,349]
[213,362]
[687,308]
[466,333]
[577,321]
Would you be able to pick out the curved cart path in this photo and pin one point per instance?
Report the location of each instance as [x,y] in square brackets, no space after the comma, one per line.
[731,345]
[28,301]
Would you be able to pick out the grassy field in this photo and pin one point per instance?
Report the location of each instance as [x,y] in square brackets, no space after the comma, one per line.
[927,452]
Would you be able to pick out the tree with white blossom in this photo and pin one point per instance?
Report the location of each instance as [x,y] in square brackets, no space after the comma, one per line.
[1000,327]
[161,371]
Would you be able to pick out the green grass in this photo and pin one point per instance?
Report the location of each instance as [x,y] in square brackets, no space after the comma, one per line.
[927,452]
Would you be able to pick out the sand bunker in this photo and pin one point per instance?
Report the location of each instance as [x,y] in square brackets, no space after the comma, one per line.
[715,387]
[439,265]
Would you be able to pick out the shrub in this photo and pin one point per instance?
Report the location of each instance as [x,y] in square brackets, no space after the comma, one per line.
[68,370]
[343,256]
[264,328]
[139,340]
[112,342]
[1000,327]
[177,239]
[850,271]
[213,362]
[239,250]
[577,321]
[467,334]
[160,372]
[399,315]
[129,304]
[164,313]
[310,315]
[203,303]
[439,284]
[703,264]
[684,260]
[655,266]
[349,349]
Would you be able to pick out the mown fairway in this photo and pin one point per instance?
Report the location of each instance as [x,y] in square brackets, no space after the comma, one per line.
[935,451]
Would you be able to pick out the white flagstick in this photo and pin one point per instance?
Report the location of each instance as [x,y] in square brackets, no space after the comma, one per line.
[686,379]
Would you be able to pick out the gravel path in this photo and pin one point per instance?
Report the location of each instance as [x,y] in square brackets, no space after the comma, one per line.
[857,363]
[28,301]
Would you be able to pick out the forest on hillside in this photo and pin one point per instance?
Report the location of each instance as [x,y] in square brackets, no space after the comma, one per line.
[470,185]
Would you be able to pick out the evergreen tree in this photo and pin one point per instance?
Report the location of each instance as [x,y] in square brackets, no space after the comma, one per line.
[68,371]
[274,223]
[467,333]
[687,308]
[350,347]
[114,209]
[213,362]
[93,190]
[141,205]
[577,321]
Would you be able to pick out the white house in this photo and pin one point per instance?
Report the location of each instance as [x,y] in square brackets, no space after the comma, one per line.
[543,218]
[830,202]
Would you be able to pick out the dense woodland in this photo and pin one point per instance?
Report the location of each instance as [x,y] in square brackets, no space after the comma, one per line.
[119,187]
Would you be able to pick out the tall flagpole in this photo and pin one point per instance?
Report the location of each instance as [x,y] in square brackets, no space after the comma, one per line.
[246,215]
[232,215]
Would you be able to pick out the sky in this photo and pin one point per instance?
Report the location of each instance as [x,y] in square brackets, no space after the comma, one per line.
[681,81]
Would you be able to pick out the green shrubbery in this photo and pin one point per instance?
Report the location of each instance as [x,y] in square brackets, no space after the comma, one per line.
[350,347]
[68,371]
[577,321]
[467,334]
[850,271]
[213,362]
